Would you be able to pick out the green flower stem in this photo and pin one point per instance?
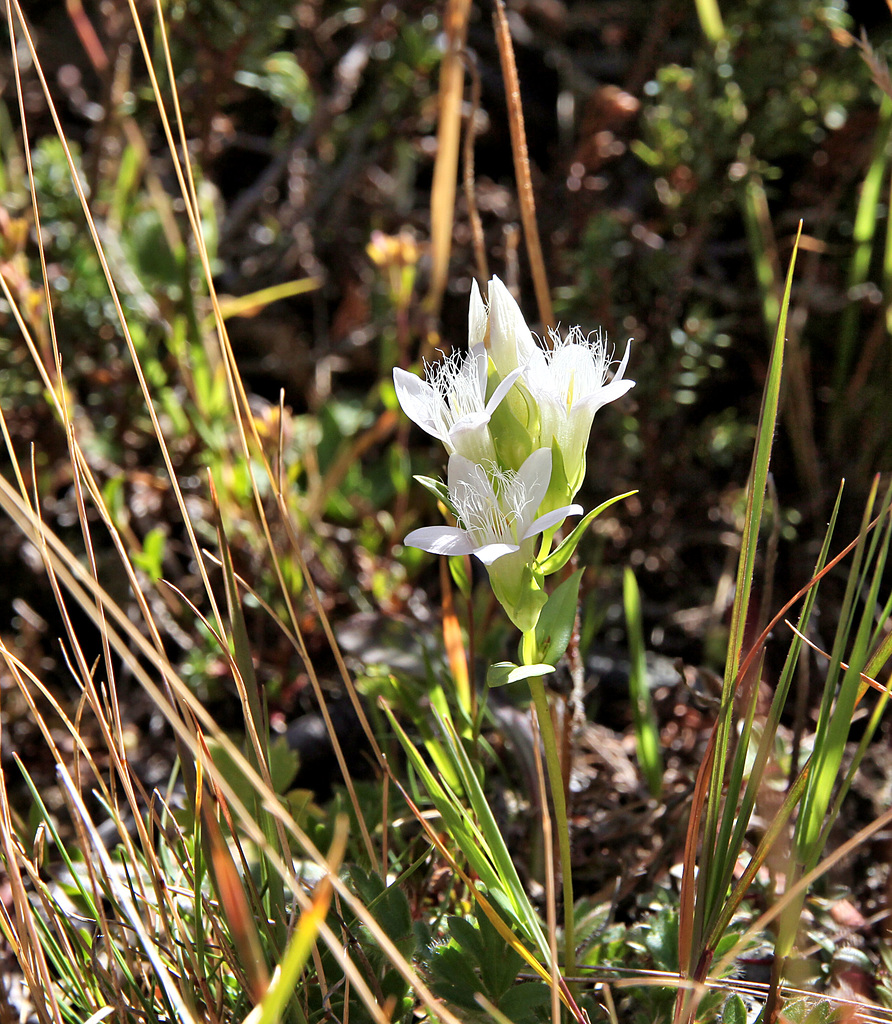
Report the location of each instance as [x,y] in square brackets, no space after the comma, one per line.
[556,781]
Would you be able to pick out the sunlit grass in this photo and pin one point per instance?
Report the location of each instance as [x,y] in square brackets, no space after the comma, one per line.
[223,895]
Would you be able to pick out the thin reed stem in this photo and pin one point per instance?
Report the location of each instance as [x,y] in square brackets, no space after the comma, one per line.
[522,166]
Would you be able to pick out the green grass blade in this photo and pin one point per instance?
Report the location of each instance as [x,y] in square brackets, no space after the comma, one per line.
[740,816]
[496,846]
[863,234]
[749,542]
[830,742]
[479,840]
[647,735]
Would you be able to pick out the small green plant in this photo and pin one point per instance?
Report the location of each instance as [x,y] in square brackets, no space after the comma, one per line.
[515,420]
[473,962]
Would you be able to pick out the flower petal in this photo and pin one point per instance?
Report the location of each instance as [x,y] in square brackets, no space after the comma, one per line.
[552,519]
[510,340]
[534,477]
[464,471]
[622,366]
[481,364]
[477,319]
[504,387]
[605,395]
[469,424]
[440,540]
[418,399]
[490,552]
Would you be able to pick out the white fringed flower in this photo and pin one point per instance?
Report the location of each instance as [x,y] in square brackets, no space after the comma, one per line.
[569,383]
[451,402]
[496,510]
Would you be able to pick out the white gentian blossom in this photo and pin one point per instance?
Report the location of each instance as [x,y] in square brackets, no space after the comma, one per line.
[498,523]
[496,510]
[451,402]
[569,384]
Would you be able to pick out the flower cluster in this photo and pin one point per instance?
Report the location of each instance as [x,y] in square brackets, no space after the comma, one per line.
[515,419]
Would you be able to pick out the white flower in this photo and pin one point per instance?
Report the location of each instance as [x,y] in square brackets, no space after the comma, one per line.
[569,384]
[451,403]
[502,329]
[496,510]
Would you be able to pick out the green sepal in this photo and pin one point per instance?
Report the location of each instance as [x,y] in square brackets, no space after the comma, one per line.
[513,426]
[564,551]
[556,621]
[522,600]
[559,492]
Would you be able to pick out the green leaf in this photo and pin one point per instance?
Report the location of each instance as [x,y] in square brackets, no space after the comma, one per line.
[464,934]
[564,551]
[661,940]
[520,1002]
[458,568]
[390,907]
[556,621]
[436,487]
[151,557]
[805,1011]
[453,976]
[499,965]
[734,1011]
[498,674]
[647,733]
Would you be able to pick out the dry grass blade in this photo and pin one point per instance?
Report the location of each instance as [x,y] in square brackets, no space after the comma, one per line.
[468,173]
[236,908]
[455,25]
[244,421]
[455,647]
[113,291]
[22,933]
[86,590]
[522,167]
[125,901]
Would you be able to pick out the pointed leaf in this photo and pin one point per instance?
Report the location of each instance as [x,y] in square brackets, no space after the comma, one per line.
[436,487]
[564,551]
[734,1011]
[556,621]
[497,674]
